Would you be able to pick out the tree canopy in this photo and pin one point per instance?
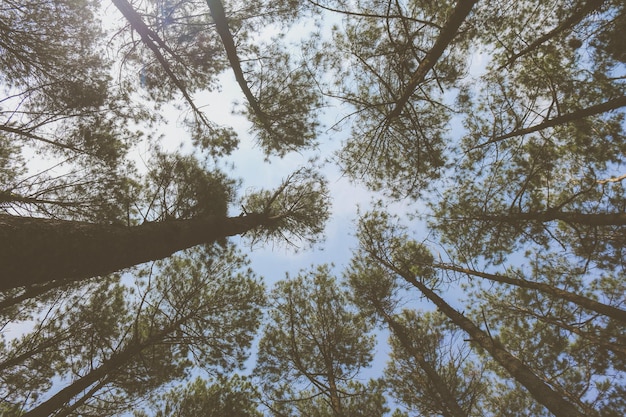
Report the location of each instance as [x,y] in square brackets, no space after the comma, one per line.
[487,272]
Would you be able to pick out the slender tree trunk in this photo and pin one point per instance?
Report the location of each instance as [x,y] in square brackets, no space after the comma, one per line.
[448,32]
[28,134]
[30,292]
[605,342]
[579,14]
[153,41]
[61,398]
[44,345]
[221,25]
[588,303]
[586,219]
[68,410]
[335,401]
[450,407]
[541,391]
[36,251]
[565,118]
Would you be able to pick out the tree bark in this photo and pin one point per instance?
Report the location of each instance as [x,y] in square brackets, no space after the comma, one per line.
[153,41]
[27,293]
[587,219]
[579,14]
[61,398]
[542,392]
[36,250]
[221,25]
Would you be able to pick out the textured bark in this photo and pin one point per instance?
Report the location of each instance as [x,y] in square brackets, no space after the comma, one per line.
[588,303]
[448,32]
[36,251]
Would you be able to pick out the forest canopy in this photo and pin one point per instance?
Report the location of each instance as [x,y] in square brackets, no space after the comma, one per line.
[486,273]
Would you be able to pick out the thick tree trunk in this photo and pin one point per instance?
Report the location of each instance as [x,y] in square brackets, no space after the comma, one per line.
[588,303]
[36,251]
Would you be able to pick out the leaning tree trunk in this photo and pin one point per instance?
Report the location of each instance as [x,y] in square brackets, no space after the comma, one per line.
[540,391]
[445,396]
[36,251]
[586,219]
[607,106]
[117,361]
[446,36]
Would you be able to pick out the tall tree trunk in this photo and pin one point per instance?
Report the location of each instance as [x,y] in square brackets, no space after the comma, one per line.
[588,303]
[153,41]
[30,292]
[36,251]
[333,391]
[540,391]
[221,25]
[579,14]
[25,355]
[89,394]
[118,360]
[597,339]
[450,407]
[586,219]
